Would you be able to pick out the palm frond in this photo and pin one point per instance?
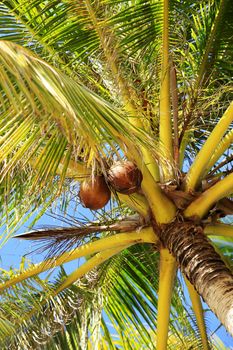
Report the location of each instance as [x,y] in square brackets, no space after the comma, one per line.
[56,240]
[197,49]
[131,314]
[71,119]
[52,318]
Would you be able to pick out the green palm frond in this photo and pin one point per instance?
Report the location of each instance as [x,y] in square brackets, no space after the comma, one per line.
[67,102]
[201,36]
[139,27]
[205,28]
[57,40]
[50,33]
[71,120]
[110,288]
[11,29]
[52,318]
[194,37]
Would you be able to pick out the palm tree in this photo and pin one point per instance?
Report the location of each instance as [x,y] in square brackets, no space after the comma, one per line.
[87,84]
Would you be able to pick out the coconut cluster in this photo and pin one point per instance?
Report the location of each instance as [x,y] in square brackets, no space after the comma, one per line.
[123,177]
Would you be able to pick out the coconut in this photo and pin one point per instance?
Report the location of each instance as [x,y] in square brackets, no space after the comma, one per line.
[125,177]
[94,193]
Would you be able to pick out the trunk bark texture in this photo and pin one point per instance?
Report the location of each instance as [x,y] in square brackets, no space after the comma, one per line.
[203,267]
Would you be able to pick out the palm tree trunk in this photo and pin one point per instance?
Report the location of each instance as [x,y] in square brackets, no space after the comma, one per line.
[203,267]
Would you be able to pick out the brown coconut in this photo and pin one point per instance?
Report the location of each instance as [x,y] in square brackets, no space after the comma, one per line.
[125,177]
[94,193]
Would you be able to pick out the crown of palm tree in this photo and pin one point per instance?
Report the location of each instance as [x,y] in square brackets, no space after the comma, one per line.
[83,85]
